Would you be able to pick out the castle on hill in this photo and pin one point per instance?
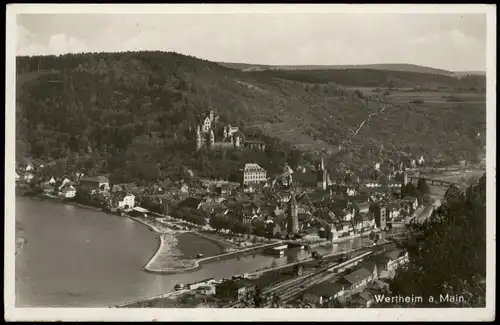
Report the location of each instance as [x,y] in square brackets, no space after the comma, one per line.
[205,135]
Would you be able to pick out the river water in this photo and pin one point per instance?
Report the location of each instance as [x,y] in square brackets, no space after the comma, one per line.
[77,257]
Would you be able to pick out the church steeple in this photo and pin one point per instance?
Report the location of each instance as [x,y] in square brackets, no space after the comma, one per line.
[321,165]
[322,175]
[293,216]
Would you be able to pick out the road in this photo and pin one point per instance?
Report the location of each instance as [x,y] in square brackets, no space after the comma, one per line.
[360,126]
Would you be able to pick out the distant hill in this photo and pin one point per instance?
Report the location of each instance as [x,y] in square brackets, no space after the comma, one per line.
[133,115]
[376,78]
[388,67]
[469,73]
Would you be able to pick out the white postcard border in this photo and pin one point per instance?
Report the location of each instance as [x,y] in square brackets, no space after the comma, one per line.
[171,314]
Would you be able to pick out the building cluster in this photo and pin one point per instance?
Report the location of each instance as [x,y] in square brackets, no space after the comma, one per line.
[355,286]
[305,204]
[359,283]
[312,208]
[231,137]
[101,193]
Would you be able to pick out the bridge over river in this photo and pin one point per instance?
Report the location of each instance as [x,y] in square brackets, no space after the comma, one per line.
[431,181]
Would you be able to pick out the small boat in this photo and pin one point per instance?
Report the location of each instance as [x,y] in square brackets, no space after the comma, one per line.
[199,255]
[178,287]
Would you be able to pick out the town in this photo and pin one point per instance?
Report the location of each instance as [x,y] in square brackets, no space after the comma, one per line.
[295,209]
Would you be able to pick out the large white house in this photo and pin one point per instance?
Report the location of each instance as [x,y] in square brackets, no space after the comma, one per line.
[127,202]
[253,173]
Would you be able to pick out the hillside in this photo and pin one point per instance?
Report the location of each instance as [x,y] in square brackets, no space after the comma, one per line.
[133,115]
[376,78]
[386,67]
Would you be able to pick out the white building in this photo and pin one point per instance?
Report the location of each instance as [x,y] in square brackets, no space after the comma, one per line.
[52,181]
[128,201]
[28,177]
[68,192]
[65,181]
[29,167]
[253,173]
[350,191]
[184,188]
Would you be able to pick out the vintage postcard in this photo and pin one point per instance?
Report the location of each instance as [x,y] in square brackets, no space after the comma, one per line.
[250,162]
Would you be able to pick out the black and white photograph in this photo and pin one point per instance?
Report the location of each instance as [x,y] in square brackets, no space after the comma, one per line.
[334,158]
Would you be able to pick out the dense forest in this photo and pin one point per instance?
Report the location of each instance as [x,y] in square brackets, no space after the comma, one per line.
[133,116]
[377,78]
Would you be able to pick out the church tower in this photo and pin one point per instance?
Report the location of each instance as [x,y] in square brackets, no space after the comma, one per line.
[211,116]
[293,216]
[237,141]
[322,175]
[212,138]
[198,138]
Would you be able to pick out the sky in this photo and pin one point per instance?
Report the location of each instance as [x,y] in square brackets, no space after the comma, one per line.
[455,42]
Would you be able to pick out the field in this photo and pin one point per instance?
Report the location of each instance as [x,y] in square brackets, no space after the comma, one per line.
[191,245]
[441,96]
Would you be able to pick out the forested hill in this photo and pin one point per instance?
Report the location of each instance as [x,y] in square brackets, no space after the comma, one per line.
[134,114]
[371,77]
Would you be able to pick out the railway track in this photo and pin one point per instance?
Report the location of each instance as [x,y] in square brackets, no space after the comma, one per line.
[290,289]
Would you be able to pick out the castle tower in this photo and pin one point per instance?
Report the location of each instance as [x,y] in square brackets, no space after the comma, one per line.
[198,138]
[322,164]
[237,141]
[211,115]
[322,175]
[226,132]
[293,216]
[212,138]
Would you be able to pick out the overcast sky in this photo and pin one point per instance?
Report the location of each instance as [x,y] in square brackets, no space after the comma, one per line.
[447,41]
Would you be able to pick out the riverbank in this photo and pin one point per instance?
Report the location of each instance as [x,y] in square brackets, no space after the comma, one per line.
[170,257]
[165,262]
[58,199]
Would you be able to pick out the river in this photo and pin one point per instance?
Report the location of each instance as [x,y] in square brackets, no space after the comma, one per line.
[77,257]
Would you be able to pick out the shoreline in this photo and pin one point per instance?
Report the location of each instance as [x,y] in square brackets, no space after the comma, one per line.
[57,199]
[185,265]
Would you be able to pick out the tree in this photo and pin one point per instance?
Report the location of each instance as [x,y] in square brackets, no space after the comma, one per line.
[258,298]
[83,196]
[218,222]
[422,187]
[295,158]
[410,190]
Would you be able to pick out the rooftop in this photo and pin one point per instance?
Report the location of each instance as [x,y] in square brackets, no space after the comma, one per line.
[364,296]
[253,167]
[139,209]
[100,179]
[394,254]
[325,289]
[358,275]
[254,141]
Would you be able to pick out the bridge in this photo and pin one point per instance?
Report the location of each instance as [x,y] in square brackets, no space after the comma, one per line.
[430,181]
